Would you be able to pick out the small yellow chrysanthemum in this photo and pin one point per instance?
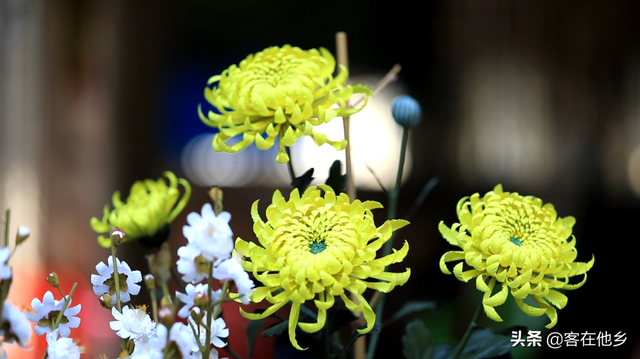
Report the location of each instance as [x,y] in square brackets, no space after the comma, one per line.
[149,209]
[279,92]
[518,242]
[316,246]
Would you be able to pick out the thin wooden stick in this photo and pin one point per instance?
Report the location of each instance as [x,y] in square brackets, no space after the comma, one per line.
[343,59]
[392,75]
[359,347]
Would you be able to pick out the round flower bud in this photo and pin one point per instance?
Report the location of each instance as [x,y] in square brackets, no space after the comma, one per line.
[406,111]
[22,235]
[117,235]
[150,282]
[52,278]
[165,316]
[106,301]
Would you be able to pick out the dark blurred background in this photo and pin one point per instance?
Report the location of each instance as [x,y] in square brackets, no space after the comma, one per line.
[541,96]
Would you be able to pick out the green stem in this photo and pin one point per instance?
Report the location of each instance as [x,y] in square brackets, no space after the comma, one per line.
[116,276]
[326,351]
[196,334]
[176,277]
[154,304]
[64,306]
[231,352]
[290,163]
[7,221]
[467,334]
[386,249]
[207,343]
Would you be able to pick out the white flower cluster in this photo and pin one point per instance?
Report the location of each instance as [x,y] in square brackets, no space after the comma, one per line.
[210,241]
[151,338]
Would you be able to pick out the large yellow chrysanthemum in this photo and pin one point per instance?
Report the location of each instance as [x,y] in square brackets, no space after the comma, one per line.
[279,92]
[315,246]
[518,242]
[149,209]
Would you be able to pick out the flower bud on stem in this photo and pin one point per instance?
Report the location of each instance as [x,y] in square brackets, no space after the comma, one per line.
[216,195]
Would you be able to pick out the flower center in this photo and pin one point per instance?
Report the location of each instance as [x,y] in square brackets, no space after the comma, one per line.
[210,230]
[122,278]
[317,247]
[202,264]
[47,321]
[515,241]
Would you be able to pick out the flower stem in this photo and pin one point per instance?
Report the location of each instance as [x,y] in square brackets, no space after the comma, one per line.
[154,304]
[467,334]
[232,352]
[176,277]
[386,249]
[207,343]
[7,221]
[292,174]
[65,305]
[326,340]
[116,276]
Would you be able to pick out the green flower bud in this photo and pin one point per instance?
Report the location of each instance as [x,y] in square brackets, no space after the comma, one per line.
[52,278]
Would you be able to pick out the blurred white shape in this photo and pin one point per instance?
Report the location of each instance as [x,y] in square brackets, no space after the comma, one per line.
[205,167]
[375,141]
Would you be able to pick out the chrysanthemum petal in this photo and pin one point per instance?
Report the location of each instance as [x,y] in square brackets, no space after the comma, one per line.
[293,323]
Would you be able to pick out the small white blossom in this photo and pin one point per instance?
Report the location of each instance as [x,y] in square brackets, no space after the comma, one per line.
[62,348]
[17,324]
[134,324]
[187,264]
[189,297]
[231,269]
[104,283]
[211,234]
[179,333]
[5,271]
[147,349]
[47,311]
[218,330]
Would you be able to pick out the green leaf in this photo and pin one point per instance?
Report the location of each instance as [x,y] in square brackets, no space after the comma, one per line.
[356,335]
[483,343]
[276,329]
[252,334]
[417,341]
[302,182]
[409,307]
[336,179]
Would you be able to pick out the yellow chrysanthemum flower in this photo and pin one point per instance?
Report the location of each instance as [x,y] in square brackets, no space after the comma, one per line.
[279,92]
[149,209]
[518,242]
[315,246]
